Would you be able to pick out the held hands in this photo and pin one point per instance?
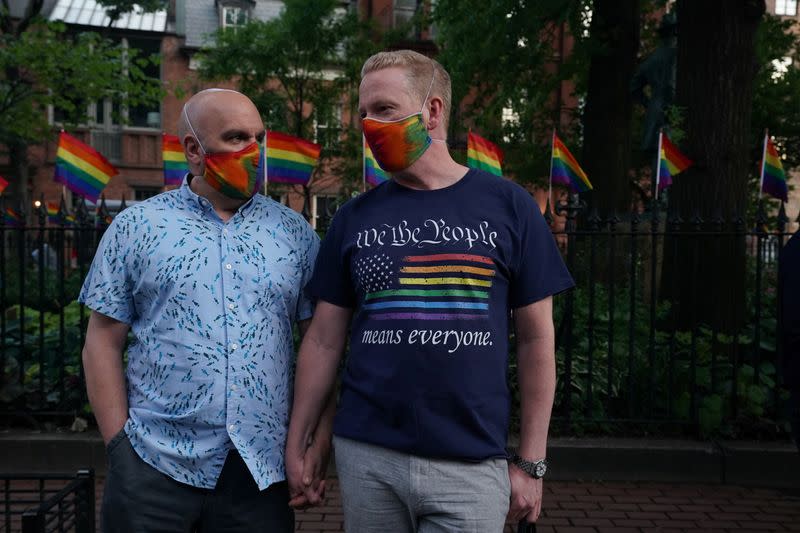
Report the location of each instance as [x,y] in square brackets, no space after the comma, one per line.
[305,472]
[526,496]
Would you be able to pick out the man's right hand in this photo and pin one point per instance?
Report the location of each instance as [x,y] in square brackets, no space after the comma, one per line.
[108,435]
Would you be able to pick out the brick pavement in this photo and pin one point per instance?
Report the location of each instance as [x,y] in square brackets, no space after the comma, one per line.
[624,507]
[621,507]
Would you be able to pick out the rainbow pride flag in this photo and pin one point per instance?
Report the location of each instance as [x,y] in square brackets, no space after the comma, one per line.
[564,168]
[52,212]
[484,155]
[11,217]
[81,168]
[290,159]
[773,177]
[670,163]
[450,286]
[373,173]
[3,184]
[175,165]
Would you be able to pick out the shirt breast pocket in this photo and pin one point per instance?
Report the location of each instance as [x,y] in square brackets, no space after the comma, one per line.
[278,286]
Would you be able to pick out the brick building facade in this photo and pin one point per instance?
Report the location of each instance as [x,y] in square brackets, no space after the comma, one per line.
[177,34]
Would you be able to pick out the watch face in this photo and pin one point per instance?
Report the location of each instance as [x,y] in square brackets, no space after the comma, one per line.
[541,469]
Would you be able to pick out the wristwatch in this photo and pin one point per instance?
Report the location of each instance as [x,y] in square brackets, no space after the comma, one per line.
[536,469]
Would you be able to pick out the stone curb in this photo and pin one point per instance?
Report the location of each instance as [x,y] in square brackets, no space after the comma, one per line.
[766,464]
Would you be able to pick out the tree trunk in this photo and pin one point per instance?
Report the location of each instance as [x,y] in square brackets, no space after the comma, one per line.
[704,276]
[18,181]
[607,136]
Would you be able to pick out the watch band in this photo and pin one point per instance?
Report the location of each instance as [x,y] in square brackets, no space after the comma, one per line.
[536,468]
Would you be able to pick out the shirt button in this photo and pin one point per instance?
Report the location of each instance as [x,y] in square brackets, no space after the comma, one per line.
[229,266]
[234,346]
[225,231]
[231,306]
[233,387]
[231,427]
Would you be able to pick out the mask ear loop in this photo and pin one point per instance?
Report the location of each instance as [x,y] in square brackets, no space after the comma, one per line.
[425,101]
[196,137]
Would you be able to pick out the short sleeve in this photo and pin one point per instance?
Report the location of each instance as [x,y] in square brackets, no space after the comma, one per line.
[538,269]
[305,305]
[331,281]
[107,288]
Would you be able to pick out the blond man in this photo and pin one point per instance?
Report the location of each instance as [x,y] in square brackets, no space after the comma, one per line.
[425,270]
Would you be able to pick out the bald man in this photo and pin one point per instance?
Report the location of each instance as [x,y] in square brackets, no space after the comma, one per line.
[209,279]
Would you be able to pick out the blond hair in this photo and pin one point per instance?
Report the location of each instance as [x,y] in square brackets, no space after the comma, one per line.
[419,69]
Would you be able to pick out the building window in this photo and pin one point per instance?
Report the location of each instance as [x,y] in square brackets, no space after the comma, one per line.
[327,125]
[145,116]
[109,115]
[233,17]
[143,193]
[323,209]
[786,7]
[403,12]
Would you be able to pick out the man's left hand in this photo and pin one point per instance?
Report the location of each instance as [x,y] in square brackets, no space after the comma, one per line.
[526,496]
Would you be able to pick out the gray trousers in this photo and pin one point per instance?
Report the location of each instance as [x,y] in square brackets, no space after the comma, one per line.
[138,498]
[384,490]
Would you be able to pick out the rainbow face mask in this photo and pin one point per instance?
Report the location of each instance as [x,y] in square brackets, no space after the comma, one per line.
[237,175]
[397,144]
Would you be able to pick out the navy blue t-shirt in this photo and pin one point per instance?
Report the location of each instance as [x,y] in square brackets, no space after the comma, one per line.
[432,277]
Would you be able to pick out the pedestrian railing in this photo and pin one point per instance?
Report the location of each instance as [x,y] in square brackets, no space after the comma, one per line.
[45,503]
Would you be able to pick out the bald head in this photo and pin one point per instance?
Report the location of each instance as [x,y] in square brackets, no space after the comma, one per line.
[217,120]
[208,105]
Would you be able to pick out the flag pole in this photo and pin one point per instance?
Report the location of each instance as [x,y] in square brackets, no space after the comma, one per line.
[763,164]
[658,163]
[549,203]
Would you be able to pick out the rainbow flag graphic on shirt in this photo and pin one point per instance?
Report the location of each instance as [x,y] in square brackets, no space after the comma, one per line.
[426,287]
[373,173]
[484,155]
[672,162]
[564,168]
[81,168]
[773,177]
[175,164]
[290,159]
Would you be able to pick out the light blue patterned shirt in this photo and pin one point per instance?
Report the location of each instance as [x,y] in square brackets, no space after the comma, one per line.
[211,306]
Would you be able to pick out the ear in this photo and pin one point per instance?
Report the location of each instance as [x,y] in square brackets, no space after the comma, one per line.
[194,155]
[435,112]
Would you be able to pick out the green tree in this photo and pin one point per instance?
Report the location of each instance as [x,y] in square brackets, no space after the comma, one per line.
[776,95]
[515,67]
[299,69]
[526,51]
[42,64]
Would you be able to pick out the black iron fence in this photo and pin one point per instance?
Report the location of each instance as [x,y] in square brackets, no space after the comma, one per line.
[633,359]
[623,363]
[43,503]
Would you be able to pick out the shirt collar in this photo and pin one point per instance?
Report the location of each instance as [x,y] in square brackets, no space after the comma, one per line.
[204,205]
